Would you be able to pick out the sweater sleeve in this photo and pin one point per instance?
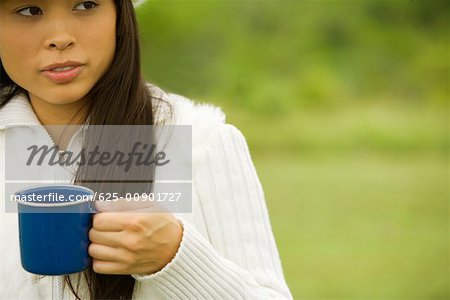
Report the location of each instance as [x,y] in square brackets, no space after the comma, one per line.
[239,258]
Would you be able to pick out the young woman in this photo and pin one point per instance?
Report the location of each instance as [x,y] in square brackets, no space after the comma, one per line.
[78,62]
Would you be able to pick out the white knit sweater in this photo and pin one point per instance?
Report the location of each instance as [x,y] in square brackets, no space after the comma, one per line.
[227,250]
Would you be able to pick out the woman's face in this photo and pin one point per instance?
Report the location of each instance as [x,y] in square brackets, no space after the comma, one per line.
[37,33]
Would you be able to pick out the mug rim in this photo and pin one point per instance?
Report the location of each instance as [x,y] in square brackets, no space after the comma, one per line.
[34,204]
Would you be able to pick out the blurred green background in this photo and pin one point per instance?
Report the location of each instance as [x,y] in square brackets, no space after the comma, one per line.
[344,105]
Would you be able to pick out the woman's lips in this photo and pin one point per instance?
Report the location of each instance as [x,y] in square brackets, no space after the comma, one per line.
[63,76]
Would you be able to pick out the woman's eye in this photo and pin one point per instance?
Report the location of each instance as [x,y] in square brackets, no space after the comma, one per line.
[87,5]
[32,11]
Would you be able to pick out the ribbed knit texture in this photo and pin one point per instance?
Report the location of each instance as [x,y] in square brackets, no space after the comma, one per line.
[241,261]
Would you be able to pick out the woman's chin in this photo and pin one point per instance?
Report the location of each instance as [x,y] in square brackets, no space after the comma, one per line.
[63,98]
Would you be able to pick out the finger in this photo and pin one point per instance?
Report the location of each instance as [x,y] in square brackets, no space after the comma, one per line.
[109,221]
[149,210]
[120,221]
[108,267]
[106,253]
[107,238]
[124,204]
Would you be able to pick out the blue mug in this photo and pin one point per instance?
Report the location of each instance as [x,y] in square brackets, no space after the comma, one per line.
[54,224]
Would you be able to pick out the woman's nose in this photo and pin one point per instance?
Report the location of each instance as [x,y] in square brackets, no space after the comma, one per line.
[60,33]
[61,44]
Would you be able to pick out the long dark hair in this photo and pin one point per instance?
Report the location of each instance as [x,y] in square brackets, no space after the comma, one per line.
[120,97]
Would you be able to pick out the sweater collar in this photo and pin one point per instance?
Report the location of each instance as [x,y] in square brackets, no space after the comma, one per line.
[18,112]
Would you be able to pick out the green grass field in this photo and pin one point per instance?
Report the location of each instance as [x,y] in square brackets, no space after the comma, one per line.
[344,105]
[359,217]
[361,226]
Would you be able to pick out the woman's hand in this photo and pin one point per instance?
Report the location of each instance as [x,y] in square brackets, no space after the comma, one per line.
[132,237]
